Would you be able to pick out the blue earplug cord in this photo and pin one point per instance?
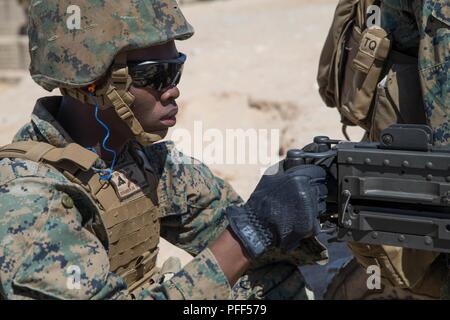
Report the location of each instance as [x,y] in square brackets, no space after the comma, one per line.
[105,174]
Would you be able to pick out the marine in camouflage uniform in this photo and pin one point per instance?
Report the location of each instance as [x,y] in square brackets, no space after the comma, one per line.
[50,223]
[421,28]
[418,28]
[42,232]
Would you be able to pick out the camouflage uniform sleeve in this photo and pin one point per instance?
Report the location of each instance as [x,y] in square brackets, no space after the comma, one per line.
[44,242]
[201,279]
[192,202]
[192,199]
[424,24]
[434,64]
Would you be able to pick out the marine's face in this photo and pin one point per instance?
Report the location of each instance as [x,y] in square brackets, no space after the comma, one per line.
[155,110]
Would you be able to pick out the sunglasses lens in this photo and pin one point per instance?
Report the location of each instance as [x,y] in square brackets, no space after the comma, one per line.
[156,75]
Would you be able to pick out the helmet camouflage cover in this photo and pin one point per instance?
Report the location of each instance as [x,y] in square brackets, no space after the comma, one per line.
[75,43]
[68,54]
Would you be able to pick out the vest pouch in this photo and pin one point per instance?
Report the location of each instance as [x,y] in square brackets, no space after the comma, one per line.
[333,51]
[340,49]
[347,74]
[398,98]
[361,73]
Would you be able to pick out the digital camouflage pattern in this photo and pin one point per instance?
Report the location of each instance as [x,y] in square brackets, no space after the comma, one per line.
[419,28]
[106,28]
[423,26]
[48,224]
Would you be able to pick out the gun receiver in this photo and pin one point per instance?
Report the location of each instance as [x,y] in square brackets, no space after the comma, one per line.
[395,192]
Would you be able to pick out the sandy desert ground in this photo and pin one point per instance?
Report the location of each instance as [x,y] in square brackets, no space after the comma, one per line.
[251,66]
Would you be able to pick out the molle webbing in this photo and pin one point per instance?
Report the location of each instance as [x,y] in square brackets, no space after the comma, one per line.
[363,74]
[73,156]
[132,224]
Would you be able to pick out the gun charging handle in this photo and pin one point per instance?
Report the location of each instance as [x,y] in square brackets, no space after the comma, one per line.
[324,140]
[320,149]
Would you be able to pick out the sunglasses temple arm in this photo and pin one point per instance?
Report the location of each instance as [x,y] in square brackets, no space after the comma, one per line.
[175,80]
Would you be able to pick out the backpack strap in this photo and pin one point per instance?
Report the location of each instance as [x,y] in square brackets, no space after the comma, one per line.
[72,154]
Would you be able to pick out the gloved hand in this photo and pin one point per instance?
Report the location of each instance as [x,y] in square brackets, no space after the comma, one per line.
[283,210]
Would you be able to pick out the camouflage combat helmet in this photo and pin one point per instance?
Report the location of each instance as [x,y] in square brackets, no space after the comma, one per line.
[75,56]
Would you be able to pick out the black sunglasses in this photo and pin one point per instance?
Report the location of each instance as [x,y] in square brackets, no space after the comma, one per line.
[156,74]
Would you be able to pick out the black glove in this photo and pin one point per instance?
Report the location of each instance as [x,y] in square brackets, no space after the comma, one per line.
[283,209]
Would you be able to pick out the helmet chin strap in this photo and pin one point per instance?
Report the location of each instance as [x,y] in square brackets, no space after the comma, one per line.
[115,94]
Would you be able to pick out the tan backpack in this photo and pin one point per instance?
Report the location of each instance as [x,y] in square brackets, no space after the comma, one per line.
[358,71]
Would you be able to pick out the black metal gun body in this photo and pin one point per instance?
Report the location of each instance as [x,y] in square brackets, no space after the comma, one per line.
[396,192]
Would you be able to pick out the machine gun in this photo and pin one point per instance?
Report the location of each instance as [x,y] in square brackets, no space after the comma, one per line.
[395,192]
